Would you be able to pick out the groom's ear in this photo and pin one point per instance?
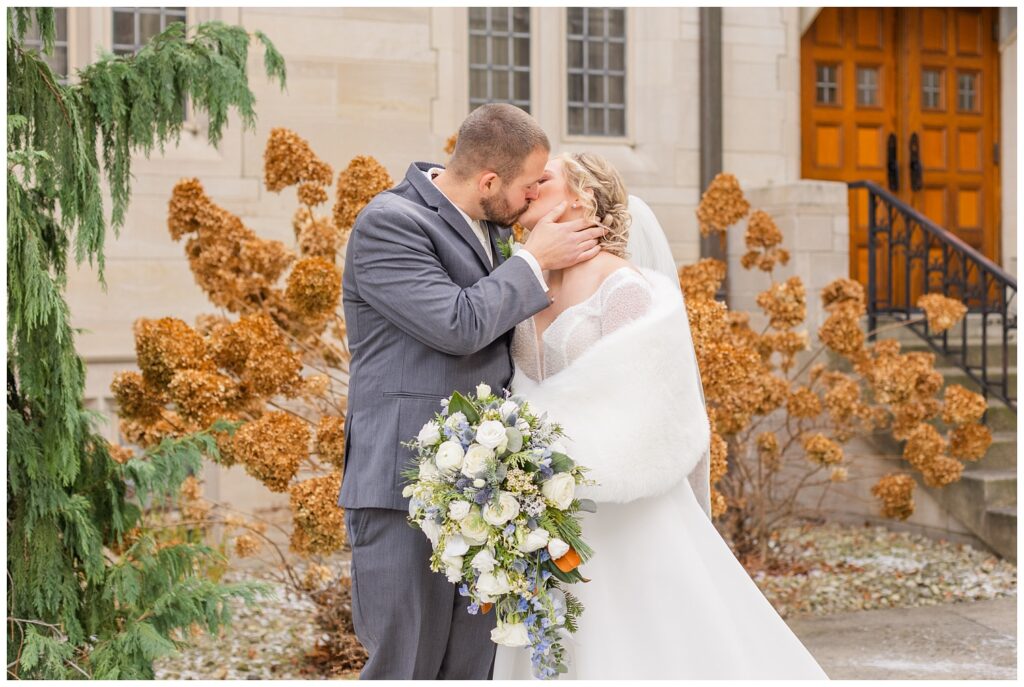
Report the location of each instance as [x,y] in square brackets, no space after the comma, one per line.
[488,182]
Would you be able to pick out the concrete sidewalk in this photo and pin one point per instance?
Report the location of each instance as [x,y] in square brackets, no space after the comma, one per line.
[956,641]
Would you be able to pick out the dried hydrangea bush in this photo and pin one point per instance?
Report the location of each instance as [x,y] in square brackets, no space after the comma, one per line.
[766,415]
[274,361]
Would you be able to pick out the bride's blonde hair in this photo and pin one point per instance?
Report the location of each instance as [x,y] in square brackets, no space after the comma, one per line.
[603,195]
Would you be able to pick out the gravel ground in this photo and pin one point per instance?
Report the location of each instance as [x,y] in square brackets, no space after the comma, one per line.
[832,568]
[843,568]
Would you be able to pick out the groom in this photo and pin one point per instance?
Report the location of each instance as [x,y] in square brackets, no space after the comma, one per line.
[429,306]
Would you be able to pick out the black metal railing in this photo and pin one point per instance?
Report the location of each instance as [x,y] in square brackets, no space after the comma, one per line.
[908,256]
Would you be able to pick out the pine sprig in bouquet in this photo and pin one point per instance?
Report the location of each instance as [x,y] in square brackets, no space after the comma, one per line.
[494,491]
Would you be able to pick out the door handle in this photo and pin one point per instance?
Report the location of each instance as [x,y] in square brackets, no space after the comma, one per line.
[891,167]
[916,183]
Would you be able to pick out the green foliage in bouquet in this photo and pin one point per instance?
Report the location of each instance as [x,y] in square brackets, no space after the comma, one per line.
[91,593]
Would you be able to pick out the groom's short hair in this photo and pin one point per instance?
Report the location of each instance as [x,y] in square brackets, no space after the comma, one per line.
[496,137]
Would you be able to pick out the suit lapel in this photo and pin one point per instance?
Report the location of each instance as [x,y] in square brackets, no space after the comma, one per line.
[448,212]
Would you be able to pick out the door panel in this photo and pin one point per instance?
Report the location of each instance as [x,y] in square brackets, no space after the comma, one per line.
[929,77]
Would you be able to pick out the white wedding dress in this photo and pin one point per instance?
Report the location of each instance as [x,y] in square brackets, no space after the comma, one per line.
[666,598]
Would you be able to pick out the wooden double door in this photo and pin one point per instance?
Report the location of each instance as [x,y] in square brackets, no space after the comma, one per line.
[907,98]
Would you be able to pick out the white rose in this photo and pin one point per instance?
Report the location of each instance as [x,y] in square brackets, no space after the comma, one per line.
[473,527]
[483,561]
[429,435]
[455,546]
[522,425]
[507,508]
[476,460]
[457,510]
[482,391]
[491,434]
[455,419]
[560,490]
[535,539]
[557,548]
[450,456]
[492,584]
[428,471]
[510,634]
[407,492]
[507,408]
[432,530]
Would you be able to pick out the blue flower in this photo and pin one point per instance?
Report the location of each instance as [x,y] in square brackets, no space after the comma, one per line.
[544,555]
[463,590]
[544,575]
[545,623]
[531,619]
[473,608]
[482,497]
[523,606]
[519,564]
[509,528]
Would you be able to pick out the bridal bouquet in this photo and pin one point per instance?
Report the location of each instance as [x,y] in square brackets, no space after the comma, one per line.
[493,490]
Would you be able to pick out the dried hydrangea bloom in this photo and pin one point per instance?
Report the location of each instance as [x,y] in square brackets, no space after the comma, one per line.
[719,504]
[962,406]
[942,312]
[722,204]
[247,545]
[785,303]
[803,403]
[719,457]
[288,159]
[762,232]
[768,450]
[146,434]
[317,236]
[842,398]
[449,145]
[923,446]
[702,279]
[255,349]
[330,440]
[786,344]
[228,261]
[119,454]
[768,393]
[942,470]
[708,323]
[839,474]
[316,576]
[841,331]
[319,522]
[822,450]
[896,492]
[907,417]
[841,291]
[312,194]
[135,399]
[201,396]
[357,185]
[196,510]
[314,288]
[970,442]
[165,346]
[272,447]
[191,489]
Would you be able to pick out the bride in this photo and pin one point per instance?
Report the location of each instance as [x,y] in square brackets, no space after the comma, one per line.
[612,361]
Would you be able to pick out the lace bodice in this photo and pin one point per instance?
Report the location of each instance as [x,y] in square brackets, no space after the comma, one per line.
[622,297]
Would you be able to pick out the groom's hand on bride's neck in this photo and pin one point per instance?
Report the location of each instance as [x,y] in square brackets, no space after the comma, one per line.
[558,245]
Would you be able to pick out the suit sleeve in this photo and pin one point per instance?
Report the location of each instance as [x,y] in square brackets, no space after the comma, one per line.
[399,274]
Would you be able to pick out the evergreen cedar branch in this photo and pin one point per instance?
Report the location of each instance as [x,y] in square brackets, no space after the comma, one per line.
[73,609]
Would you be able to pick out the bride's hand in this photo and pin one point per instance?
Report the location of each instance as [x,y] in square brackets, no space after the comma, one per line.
[557,245]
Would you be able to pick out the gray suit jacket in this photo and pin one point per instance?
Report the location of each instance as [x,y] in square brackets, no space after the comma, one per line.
[426,314]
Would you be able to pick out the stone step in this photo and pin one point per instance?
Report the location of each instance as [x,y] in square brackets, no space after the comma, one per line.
[999,417]
[1001,525]
[1002,454]
[998,486]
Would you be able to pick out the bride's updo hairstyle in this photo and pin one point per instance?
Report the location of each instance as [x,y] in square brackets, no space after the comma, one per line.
[602,194]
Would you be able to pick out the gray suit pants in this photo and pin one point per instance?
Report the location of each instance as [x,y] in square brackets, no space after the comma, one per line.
[412,621]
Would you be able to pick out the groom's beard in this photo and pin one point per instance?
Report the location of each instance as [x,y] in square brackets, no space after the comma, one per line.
[499,211]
